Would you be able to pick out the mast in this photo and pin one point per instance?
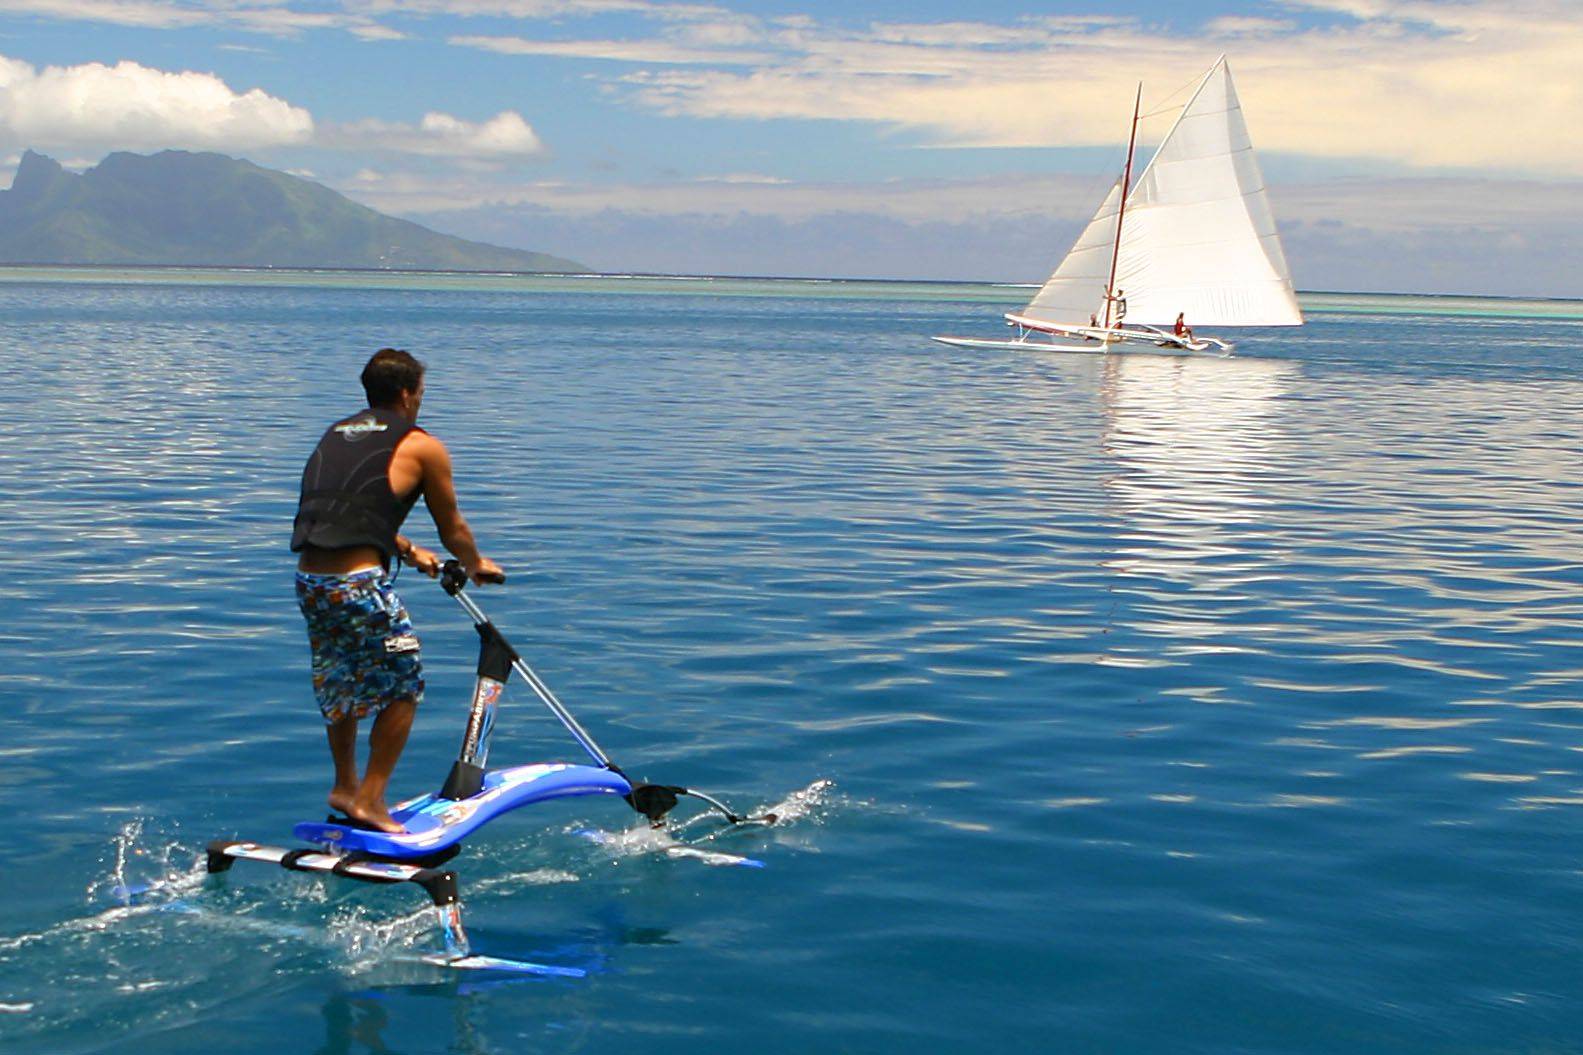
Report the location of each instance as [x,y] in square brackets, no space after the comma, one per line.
[1121,211]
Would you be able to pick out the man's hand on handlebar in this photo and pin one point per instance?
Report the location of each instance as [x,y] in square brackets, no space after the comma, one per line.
[487,572]
[425,560]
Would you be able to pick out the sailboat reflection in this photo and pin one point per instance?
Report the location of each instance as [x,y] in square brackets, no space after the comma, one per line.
[1197,447]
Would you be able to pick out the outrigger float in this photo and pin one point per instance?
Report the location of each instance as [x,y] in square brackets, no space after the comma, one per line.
[472,796]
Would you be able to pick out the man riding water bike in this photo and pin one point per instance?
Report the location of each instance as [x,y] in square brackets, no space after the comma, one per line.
[358,487]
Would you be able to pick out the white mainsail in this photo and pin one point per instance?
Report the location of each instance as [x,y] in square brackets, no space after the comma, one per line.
[1197,238]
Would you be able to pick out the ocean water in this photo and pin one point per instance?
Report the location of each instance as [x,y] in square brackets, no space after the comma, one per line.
[1115,705]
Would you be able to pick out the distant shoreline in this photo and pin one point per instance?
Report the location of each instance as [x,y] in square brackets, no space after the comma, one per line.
[9,272]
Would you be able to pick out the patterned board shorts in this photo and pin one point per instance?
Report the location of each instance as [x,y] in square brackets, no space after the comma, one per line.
[365,654]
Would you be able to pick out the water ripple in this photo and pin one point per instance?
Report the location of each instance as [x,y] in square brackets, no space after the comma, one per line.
[1229,702]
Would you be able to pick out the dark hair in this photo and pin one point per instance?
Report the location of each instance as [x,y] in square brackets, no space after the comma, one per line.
[390,373]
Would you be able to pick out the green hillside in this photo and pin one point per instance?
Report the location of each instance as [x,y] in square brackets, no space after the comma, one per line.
[210,210]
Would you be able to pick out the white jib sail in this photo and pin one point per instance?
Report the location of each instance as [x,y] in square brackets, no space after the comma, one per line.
[1077,289]
[1198,238]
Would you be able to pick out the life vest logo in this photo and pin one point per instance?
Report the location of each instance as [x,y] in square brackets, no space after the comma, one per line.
[360,428]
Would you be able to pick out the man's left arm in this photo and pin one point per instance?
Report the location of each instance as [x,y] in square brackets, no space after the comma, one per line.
[409,552]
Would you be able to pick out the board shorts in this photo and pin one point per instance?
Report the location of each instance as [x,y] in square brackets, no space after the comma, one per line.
[365,654]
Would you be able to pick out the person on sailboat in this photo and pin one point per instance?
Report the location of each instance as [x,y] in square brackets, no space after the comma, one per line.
[1181,329]
[360,483]
[1118,305]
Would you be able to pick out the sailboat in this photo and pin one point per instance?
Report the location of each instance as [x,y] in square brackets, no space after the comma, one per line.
[1190,243]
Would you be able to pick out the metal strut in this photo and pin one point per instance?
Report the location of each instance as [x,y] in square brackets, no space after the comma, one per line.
[496,660]
[454,581]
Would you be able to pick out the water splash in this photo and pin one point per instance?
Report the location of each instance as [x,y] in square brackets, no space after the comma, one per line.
[147,869]
[135,892]
[532,877]
[805,804]
[360,940]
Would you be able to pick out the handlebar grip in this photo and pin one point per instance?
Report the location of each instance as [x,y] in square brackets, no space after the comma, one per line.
[453,577]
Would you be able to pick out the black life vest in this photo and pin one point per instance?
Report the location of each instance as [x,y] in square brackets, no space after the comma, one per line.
[346,498]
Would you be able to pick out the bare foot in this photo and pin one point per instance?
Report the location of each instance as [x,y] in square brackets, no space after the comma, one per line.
[342,801]
[376,815]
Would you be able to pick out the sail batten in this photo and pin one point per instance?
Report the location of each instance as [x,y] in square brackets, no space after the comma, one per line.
[1198,237]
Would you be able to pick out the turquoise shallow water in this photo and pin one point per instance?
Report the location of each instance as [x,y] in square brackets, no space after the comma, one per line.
[1176,706]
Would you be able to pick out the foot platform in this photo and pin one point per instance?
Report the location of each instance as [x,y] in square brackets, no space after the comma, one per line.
[435,824]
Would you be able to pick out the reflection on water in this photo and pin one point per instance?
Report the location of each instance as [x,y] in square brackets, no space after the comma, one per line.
[1198,448]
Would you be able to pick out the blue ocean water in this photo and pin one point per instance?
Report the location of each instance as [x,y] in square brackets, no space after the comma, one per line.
[1129,704]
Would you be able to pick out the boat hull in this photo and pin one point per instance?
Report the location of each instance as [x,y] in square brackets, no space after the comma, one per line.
[1085,348]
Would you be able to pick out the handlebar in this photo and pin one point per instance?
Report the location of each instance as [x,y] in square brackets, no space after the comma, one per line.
[651,800]
[453,577]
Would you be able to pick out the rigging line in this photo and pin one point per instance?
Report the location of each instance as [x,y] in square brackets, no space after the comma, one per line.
[1105,182]
[1178,91]
[1163,107]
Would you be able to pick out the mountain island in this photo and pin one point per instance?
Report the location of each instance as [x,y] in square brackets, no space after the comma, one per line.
[209,210]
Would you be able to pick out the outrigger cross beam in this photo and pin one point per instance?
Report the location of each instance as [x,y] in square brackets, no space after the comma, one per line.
[471,797]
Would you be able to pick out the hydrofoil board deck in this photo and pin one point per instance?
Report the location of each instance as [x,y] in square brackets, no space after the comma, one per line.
[434,824]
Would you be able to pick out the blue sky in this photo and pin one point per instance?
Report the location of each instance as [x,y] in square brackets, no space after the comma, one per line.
[924,139]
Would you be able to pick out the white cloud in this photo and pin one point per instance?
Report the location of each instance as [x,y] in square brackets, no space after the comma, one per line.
[743,177]
[375,31]
[1476,84]
[129,106]
[1472,206]
[1249,26]
[1398,234]
[909,201]
[545,9]
[272,17]
[133,107]
[147,13]
[505,136]
[658,52]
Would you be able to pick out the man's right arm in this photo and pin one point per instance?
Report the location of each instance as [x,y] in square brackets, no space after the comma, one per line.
[439,494]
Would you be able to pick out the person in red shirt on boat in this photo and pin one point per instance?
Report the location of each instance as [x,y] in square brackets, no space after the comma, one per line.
[1181,330]
[359,485]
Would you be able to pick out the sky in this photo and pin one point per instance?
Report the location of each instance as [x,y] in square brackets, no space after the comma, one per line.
[1408,145]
